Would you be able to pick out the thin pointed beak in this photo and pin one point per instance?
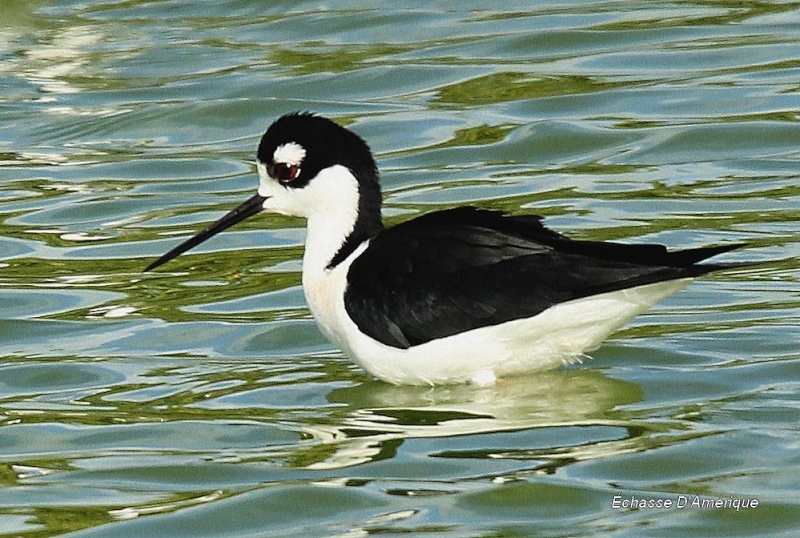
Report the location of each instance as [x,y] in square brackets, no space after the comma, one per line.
[247,209]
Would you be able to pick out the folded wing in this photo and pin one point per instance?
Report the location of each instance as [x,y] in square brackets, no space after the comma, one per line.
[451,271]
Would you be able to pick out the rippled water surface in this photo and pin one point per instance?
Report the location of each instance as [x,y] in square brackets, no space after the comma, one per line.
[200,400]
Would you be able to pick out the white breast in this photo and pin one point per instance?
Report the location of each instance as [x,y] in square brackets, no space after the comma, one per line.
[324,290]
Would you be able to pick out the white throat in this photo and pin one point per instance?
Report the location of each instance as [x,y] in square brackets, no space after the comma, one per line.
[329,202]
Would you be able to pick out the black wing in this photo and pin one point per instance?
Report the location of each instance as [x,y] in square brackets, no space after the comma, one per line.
[452,271]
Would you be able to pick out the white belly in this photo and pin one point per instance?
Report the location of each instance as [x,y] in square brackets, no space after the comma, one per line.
[560,334]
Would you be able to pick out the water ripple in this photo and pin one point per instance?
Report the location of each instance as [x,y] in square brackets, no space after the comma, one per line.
[202,400]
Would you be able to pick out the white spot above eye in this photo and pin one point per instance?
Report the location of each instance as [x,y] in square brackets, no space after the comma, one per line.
[289,153]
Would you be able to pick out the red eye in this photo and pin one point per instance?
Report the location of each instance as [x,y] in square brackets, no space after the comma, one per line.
[284,171]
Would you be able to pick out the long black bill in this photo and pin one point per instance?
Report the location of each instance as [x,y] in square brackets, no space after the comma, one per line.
[247,209]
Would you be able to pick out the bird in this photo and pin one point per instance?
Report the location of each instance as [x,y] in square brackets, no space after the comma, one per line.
[460,295]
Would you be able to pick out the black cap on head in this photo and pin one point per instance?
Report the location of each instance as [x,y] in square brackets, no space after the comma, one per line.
[325,142]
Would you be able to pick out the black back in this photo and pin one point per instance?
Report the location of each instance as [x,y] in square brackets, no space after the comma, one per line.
[451,271]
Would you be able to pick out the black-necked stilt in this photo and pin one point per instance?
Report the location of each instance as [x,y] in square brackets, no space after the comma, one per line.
[459,295]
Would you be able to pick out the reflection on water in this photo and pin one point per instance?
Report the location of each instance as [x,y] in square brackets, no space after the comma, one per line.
[568,412]
[385,414]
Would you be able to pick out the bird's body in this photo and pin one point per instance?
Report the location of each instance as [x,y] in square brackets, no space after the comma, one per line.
[559,335]
[452,296]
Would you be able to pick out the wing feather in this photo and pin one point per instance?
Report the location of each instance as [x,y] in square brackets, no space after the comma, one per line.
[451,271]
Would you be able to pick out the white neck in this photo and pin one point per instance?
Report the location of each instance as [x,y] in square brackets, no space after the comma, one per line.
[323,241]
[334,196]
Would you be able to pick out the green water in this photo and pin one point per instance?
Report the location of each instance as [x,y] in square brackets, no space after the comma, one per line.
[202,401]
